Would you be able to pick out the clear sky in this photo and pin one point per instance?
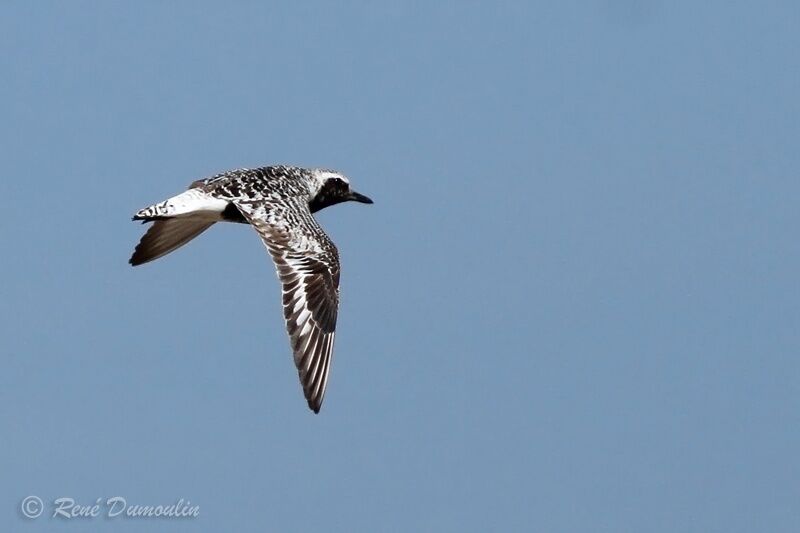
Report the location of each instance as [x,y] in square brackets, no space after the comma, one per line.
[573,307]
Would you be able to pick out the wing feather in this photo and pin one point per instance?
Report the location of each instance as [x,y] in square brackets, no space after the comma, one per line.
[307,264]
[167,235]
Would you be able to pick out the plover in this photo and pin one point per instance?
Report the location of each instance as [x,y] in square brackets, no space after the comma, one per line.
[278,202]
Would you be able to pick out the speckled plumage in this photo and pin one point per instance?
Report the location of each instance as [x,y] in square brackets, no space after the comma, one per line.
[278,202]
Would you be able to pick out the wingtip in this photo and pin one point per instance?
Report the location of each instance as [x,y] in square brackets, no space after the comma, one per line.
[315,407]
[135,259]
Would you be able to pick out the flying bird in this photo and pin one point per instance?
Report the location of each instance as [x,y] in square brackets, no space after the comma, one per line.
[278,201]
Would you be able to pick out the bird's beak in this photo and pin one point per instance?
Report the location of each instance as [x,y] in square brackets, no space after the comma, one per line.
[356,197]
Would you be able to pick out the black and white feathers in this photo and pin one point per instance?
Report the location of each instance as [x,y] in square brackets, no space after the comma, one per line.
[278,202]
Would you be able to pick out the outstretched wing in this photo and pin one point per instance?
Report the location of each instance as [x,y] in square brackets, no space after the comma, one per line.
[308,268]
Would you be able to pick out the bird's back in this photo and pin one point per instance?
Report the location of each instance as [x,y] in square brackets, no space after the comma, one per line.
[274,183]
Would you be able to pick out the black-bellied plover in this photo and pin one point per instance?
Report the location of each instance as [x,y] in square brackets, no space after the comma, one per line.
[277,201]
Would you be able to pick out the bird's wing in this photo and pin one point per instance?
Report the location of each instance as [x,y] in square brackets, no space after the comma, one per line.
[308,268]
[167,235]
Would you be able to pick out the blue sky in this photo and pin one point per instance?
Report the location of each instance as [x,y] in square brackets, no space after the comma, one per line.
[573,306]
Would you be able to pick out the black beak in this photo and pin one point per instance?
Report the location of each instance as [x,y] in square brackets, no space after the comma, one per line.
[356,197]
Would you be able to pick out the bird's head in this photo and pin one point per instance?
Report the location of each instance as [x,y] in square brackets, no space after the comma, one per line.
[330,188]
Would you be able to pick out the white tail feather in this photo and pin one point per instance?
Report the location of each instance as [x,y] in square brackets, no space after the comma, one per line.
[193,202]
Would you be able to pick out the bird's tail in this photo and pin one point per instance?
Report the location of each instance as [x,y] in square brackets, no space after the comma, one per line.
[193,202]
[177,220]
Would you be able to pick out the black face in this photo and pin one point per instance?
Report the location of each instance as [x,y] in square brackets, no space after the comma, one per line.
[333,192]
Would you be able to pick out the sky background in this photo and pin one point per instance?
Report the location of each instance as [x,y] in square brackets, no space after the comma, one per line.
[574,305]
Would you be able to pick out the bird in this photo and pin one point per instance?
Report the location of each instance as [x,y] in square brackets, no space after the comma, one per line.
[279,202]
